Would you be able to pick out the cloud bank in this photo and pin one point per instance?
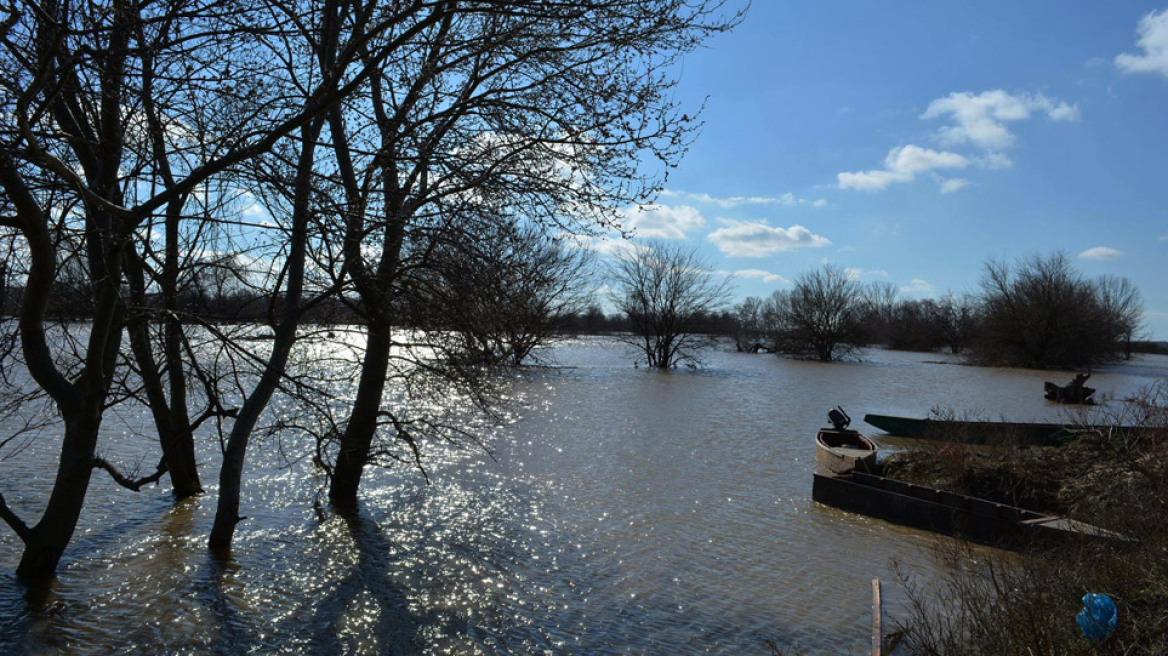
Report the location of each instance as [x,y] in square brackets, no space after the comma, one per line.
[663,221]
[981,120]
[787,200]
[765,276]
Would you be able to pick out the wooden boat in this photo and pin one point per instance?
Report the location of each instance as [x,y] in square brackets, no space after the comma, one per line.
[948,513]
[981,432]
[843,450]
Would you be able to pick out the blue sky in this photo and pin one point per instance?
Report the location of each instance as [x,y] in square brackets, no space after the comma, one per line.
[911,141]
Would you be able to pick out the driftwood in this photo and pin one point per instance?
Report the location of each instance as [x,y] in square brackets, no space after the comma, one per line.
[1074,392]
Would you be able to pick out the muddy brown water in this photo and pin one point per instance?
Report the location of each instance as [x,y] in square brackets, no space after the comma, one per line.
[620,511]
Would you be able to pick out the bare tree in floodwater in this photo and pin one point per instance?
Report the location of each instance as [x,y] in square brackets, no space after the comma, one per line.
[1041,313]
[73,160]
[663,290]
[503,291]
[821,317]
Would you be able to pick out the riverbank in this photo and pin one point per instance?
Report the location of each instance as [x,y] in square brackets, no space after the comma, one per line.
[1026,603]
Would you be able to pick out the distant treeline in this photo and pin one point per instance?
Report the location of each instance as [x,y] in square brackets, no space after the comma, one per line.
[1037,313]
[1155,348]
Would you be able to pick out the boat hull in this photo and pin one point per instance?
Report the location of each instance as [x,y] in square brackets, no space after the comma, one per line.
[977,432]
[842,451]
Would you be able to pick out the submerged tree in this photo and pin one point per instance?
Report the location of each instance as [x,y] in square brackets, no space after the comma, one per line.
[751,329]
[505,291]
[664,290]
[88,90]
[1042,313]
[497,115]
[380,129]
[821,317]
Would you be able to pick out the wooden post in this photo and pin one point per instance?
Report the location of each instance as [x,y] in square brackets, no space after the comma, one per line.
[877,614]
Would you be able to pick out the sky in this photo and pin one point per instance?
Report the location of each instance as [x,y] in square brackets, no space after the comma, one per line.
[911,142]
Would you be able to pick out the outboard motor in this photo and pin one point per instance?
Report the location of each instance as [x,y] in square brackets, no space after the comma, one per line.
[838,418]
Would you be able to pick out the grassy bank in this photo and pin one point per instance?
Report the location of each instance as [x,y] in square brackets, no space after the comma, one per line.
[1025,603]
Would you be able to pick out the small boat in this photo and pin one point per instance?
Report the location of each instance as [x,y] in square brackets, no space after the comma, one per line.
[841,450]
[981,432]
[948,513]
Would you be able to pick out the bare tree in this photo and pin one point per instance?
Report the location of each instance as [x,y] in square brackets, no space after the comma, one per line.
[751,330]
[1042,313]
[663,289]
[495,114]
[506,291]
[957,319]
[821,317]
[82,91]
[881,308]
[1121,310]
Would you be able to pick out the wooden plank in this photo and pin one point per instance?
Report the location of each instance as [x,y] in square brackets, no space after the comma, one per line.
[877,616]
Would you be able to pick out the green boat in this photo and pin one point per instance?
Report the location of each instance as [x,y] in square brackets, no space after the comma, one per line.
[980,432]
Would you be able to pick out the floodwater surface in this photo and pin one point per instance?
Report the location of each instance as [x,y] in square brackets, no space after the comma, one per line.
[619,510]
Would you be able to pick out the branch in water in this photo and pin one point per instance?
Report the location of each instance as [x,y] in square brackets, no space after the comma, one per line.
[126,482]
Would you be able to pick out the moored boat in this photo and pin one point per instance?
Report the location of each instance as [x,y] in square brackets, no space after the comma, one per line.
[981,432]
[843,450]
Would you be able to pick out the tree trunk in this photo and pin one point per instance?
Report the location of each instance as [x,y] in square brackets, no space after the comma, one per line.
[358,435]
[171,422]
[231,473]
[47,540]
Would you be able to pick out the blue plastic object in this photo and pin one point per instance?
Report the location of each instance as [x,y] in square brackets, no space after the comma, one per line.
[1098,617]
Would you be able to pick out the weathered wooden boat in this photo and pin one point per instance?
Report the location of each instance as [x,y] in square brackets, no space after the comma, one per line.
[981,432]
[843,450]
[940,511]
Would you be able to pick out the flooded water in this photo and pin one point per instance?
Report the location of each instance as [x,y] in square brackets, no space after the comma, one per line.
[622,511]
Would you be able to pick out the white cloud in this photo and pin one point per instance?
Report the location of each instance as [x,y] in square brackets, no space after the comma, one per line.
[663,221]
[1153,41]
[917,286]
[981,120]
[953,184]
[856,274]
[978,120]
[788,199]
[1163,237]
[902,164]
[604,245]
[765,276]
[1100,253]
[992,160]
[753,239]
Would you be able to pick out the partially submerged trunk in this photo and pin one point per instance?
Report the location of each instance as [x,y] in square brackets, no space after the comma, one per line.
[362,425]
[171,419]
[231,474]
[45,543]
